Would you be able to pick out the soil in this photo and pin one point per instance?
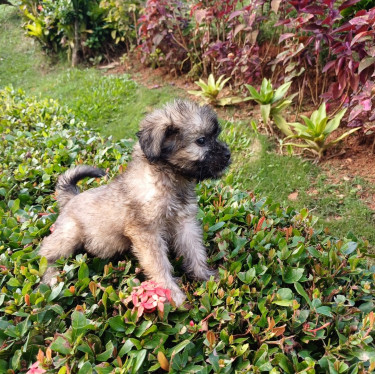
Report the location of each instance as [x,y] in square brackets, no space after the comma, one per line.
[354,157]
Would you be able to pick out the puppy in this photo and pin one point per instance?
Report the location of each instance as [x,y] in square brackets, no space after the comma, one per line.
[152,206]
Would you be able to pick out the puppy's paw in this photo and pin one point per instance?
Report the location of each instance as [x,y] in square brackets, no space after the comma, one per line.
[177,296]
[50,277]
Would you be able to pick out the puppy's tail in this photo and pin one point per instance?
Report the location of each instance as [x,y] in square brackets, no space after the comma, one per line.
[66,187]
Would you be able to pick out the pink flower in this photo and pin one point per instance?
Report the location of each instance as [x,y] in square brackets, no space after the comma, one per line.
[35,369]
[40,8]
[191,323]
[148,297]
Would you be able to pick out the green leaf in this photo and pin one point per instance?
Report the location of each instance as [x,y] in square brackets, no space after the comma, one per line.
[86,368]
[285,294]
[310,125]
[107,354]
[293,275]
[55,292]
[142,328]
[284,363]
[281,91]
[211,80]
[303,293]
[281,123]
[180,347]
[15,362]
[248,276]
[61,345]
[325,310]
[318,115]
[343,136]
[265,111]
[13,282]
[283,302]
[140,357]
[43,264]
[253,92]
[117,324]
[107,369]
[83,271]
[126,348]
[334,123]
[216,226]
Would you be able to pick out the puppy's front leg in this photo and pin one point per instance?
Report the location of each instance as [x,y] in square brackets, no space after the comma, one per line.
[151,251]
[188,242]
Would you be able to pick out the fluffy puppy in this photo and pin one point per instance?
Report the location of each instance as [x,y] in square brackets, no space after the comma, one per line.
[152,206]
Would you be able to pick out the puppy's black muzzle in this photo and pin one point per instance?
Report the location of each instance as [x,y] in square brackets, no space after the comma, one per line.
[217,159]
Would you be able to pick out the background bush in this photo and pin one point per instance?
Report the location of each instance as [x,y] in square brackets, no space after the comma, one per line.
[290,298]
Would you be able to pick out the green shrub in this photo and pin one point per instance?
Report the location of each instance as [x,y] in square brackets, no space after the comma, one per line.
[290,298]
[272,103]
[86,30]
[121,19]
[211,90]
[316,130]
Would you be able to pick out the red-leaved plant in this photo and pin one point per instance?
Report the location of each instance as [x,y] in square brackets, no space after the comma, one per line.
[354,66]
[334,61]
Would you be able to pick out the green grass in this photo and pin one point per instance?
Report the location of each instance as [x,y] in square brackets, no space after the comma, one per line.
[260,168]
[115,105]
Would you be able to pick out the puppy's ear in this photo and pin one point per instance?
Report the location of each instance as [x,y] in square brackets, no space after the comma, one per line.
[157,141]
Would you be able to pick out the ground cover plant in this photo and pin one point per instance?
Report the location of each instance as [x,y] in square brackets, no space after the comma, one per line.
[290,297]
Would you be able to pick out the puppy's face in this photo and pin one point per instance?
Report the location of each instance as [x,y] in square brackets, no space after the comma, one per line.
[184,136]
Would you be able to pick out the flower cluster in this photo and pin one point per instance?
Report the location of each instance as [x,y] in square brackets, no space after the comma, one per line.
[148,297]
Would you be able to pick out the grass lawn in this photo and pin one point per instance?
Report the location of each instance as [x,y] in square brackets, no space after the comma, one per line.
[115,105]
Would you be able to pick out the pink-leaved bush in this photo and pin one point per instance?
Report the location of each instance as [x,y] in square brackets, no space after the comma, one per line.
[148,297]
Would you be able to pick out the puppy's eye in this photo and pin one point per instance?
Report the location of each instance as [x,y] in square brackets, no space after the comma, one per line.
[201,141]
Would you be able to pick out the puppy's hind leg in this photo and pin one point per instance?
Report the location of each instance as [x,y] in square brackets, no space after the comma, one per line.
[61,243]
[151,250]
[188,242]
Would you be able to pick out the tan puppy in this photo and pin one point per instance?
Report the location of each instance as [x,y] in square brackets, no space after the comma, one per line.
[152,206]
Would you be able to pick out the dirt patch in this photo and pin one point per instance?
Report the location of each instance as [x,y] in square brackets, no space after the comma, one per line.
[354,159]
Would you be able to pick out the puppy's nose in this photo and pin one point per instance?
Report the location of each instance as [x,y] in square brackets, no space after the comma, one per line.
[227,154]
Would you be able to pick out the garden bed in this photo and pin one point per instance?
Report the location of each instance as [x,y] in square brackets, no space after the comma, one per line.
[290,297]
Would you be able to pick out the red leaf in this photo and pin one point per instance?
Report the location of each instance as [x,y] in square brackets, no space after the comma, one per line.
[366,105]
[347,4]
[359,21]
[328,66]
[260,223]
[285,36]
[336,90]
[354,82]
[313,9]
[235,14]
[365,35]
[345,27]
[339,65]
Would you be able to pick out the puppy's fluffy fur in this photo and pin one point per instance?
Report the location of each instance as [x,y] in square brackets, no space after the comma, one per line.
[152,206]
